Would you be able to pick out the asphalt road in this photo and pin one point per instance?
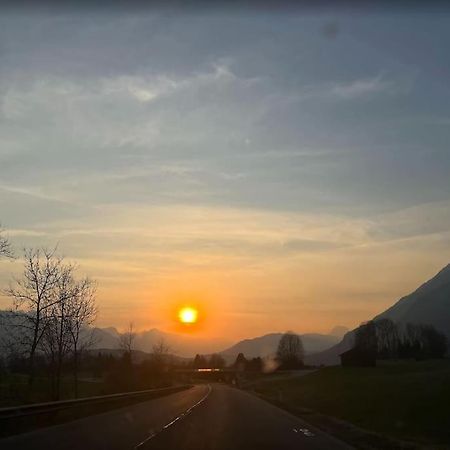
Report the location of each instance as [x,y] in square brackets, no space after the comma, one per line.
[215,417]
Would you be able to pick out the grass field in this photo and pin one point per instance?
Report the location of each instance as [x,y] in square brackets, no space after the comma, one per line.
[405,400]
[14,390]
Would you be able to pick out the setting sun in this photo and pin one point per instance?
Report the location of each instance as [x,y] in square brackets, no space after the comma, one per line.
[188,315]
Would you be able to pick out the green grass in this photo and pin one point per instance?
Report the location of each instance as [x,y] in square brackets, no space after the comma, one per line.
[405,400]
[14,390]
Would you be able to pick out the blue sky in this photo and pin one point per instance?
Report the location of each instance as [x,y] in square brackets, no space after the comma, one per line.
[261,162]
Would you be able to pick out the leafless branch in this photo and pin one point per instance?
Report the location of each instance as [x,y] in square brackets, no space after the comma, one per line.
[5,246]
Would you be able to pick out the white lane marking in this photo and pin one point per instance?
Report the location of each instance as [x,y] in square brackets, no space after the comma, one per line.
[306,432]
[183,414]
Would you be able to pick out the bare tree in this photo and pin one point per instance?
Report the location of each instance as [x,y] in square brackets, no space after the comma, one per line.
[74,309]
[160,354]
[434,342]
[5,246]
[413,333]
[126,343]
[51,308]
[161,347]
[290,351]
[34,295]
[126,340]
[59,317]
[388,338]
[422,341]
[82,313]
[49,345]
[366,337]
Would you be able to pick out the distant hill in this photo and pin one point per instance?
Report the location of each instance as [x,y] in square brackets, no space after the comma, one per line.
[187,346]
[330,356]
[183,346]
[339,331]
[429,304]
[179,344]
[267,345]
[106,338]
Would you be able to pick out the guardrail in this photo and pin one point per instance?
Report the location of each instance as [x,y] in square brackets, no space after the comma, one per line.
[43,408]
[21,418]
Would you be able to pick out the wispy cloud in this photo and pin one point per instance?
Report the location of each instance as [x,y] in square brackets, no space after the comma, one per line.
[352,89]
[361,87]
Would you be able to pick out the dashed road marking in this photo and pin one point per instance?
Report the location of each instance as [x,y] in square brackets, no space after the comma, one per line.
[305,431]
[167,425]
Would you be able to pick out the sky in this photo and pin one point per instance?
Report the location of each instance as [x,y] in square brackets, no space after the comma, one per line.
[283,171]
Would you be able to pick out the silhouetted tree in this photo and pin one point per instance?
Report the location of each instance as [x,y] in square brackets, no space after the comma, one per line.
[126,343]
[411,345]
[82,313]
[5,246]
[240,363]
[57,340]
[35,294]
[254,365]
[126,340]
[161,348]
[366,337]
[388,339]
[199,362]
[434,342]
[51,308]
[422,342]
[290,351]
[160,355]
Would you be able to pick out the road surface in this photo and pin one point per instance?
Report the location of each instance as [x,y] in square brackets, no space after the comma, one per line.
[215,417]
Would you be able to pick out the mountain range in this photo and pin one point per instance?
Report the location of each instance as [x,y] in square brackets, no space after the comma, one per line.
[429,304]
[188,346]
[178,344]
[267,345]
[108,338]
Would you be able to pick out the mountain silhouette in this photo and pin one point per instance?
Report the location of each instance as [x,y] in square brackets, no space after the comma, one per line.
[429,304]
[179,344]
[267,345]
[188,346]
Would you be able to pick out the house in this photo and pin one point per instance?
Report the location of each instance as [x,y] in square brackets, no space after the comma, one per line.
[356,357]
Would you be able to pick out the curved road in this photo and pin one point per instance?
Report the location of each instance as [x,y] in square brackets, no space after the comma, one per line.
[215,417]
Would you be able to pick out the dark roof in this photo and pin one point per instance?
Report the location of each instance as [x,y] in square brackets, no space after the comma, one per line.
[349,352]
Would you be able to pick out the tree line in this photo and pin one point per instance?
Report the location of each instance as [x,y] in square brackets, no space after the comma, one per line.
[389,340]
[214,361]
